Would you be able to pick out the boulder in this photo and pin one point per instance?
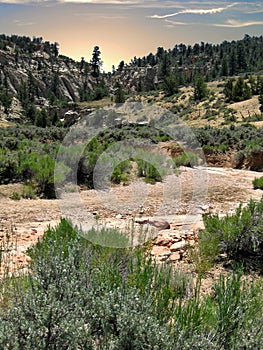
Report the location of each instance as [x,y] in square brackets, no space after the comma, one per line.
[160,252]
[70,117]
[159,223]
[164,240]
[176,256]
[178,246]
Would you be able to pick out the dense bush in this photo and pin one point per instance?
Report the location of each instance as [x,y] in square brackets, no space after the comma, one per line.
[27,154]
[19,146]
[237,91]
[239,236]
[80,295]
[148,171]
[186,159]
[234,137]
[245,140]
[9,164]
[121,172]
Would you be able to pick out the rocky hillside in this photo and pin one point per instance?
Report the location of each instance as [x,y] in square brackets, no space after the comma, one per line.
[35,78]
[38,64]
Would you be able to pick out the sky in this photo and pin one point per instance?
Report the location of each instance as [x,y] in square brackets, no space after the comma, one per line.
[127,28]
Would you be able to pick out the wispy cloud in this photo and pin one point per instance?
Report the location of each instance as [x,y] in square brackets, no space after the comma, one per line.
[25,2]
[195,11]
[138,3]
[99,15]
[23,23]
[172,24]
[231,23]
[12,2]
[105,2]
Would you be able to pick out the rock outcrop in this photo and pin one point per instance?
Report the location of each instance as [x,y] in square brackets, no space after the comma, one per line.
[171,245]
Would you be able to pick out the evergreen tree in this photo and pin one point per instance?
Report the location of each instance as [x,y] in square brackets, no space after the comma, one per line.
[6,101]
[246,92]
[54,92]
[232,63]
[31,112]
[200,88]
[55,117]
[82,64]
[119,94]
[84,94]
[241,57]
[228,90]
[31,86]
[165,68]
[42,119]
[253,84]
[55,49]
[224,68]
[140,86]
[160,53]
[100,91]
[151,60]
[121,66]
[241,90]
[96,62]
[170,85]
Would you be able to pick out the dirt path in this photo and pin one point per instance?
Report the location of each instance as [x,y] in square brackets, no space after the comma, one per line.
[192,193]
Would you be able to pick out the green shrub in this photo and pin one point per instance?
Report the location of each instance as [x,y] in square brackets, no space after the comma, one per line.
[108,238]
[80,295]
[8,166]
[148,171]
[235,303]
[258,183]
[121,172]
[189,159]
[106,289]
[39,169]
[15,196]
[150,180]
[29,192]
[240,236]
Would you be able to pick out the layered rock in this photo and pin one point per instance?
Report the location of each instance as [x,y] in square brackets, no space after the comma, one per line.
[171,244]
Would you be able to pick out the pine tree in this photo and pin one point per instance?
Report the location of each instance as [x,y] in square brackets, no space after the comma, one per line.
[6,101]
[232,63]
[119,95]
[31,87]
[170,85]
[228,90]
[200,88]
[241,90]
[165,68]
[96,62]
[224,68]
[241,57]
[121,66]
[54,92]
[140,86]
